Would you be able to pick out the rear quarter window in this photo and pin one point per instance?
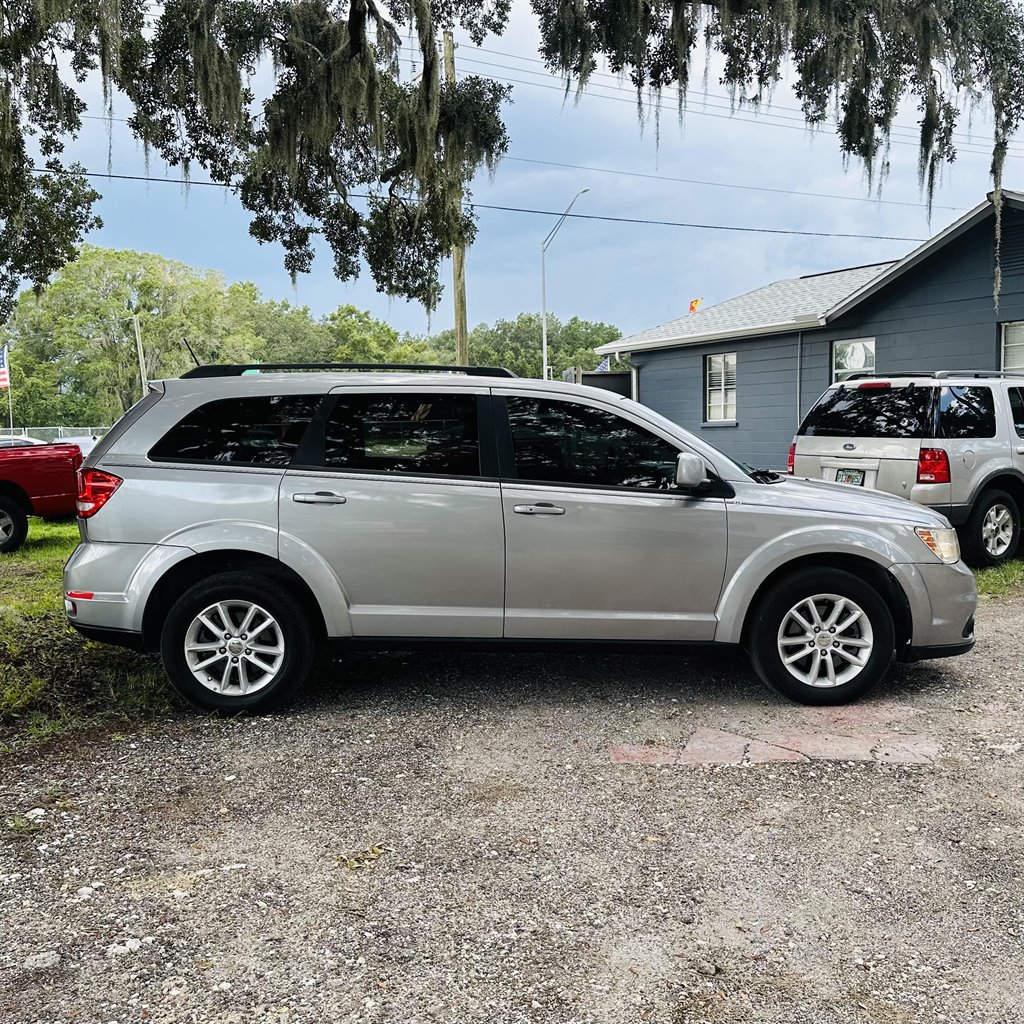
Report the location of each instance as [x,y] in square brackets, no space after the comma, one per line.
[967,412]
[260,431]
[902,412]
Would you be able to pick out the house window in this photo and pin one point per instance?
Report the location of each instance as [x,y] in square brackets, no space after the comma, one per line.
[1013,346]
[854,356]
[720,388]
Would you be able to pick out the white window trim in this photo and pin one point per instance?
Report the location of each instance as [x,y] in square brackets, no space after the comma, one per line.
[720,420]
[833,375]
[1002,347]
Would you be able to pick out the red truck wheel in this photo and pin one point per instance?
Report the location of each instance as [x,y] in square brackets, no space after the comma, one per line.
[13,525]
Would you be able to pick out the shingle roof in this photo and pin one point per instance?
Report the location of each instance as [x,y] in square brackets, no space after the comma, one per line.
[789,302]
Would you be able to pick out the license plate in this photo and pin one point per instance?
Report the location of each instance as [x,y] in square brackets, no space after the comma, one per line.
[850,476]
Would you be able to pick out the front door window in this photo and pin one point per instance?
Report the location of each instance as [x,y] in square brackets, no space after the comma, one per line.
[563,442]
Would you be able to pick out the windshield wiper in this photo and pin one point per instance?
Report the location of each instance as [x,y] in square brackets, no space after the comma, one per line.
[764,476]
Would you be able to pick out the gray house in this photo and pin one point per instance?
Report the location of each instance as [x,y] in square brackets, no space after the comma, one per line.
[744,372]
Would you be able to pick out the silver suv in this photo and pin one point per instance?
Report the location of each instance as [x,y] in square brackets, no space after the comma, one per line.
[240,524]
[952,441]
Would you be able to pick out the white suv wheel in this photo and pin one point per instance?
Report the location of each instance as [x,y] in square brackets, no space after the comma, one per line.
[825,640]
[997,530]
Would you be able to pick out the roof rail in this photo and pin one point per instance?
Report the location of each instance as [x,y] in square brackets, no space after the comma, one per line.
[868,375]
[237,369]
[935,374]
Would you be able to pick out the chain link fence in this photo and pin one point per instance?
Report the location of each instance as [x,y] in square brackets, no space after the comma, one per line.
[53,433]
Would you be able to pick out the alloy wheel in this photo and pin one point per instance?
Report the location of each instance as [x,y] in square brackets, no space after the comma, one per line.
[234,648]
[6,526]
[997,530]
[825,640]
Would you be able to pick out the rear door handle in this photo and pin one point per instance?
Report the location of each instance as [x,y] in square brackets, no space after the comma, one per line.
[320,498]
[543,509]
[1020,449]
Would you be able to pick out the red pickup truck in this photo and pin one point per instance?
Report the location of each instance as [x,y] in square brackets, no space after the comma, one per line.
[40,480]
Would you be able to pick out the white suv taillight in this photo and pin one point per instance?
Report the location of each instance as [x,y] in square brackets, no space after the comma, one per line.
[791,459]
[933,466]
[94,490]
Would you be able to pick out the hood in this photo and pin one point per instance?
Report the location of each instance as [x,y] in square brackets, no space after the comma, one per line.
[841,500]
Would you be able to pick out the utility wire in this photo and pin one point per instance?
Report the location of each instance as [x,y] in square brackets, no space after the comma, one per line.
[967,138]
[543,213]
[667,177]
[805,127]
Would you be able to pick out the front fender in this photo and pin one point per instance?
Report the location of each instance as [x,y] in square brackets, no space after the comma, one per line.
[744,579]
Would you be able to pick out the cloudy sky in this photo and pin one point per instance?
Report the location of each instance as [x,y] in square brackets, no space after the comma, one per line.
[753,170]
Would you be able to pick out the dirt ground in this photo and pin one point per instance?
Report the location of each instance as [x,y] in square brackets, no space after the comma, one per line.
[438,838]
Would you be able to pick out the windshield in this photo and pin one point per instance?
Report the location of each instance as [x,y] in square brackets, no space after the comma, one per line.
[900,412]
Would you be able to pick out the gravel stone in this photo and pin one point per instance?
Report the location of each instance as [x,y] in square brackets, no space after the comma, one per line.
[445,838]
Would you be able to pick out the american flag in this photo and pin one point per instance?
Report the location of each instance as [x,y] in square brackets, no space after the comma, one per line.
[605,365]
[5,376]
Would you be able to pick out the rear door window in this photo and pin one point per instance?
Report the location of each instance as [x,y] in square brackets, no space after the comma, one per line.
[404,433]
[263,431]
[564,442]
[967,412]
[855,411]
[1017,409]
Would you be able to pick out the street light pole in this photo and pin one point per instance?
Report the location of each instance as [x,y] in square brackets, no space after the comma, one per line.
[543,285]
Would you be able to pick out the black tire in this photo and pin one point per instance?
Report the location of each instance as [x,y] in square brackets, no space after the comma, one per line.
[236,590]
[972,533]
[13,525]
[772,612]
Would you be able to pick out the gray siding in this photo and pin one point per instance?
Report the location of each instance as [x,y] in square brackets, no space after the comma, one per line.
[672,383]
[941,315]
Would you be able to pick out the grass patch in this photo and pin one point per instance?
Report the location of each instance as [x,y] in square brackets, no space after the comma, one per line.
[52,678]
[1002,580]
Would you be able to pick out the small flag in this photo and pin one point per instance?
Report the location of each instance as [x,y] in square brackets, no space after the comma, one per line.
[5,376]
[605,365]
[694,303]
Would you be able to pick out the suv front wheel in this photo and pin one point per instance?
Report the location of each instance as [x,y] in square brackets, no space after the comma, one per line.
[237,642]
[992,531]
[822,636]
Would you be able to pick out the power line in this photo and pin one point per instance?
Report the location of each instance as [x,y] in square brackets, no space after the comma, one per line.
[805,127]
[722,184]
[666,177]
[965,137]
[544,213]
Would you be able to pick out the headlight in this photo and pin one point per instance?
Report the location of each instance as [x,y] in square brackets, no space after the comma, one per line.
[942,543]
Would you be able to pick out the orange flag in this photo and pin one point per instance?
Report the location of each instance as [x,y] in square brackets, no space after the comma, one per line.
[694,303]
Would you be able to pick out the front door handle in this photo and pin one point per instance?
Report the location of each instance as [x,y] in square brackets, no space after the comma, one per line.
[543,509]
[1020,449]
[320,498]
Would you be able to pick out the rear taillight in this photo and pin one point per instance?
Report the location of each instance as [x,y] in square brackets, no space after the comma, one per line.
[791,459]
[932,466]
[94,490]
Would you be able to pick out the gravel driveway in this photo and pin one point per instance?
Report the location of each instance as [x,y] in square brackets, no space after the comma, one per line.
[532,838]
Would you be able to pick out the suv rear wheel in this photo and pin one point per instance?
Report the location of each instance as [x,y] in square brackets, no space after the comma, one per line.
[822,636]
[236,642]
[13,525]
[992,532]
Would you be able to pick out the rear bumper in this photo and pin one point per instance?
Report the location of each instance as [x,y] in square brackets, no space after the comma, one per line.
[105,635]
[956,514]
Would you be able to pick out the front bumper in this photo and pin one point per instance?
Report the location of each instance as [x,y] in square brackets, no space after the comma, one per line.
[942,600]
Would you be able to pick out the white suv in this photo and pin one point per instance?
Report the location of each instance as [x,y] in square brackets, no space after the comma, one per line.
[952,441]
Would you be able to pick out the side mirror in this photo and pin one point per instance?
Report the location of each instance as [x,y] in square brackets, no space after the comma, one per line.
[690,471]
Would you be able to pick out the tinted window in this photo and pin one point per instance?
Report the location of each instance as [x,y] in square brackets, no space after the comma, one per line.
[404,434]
[1017,409]
[872,412]
[967,412]
[262,431]
[569,443]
